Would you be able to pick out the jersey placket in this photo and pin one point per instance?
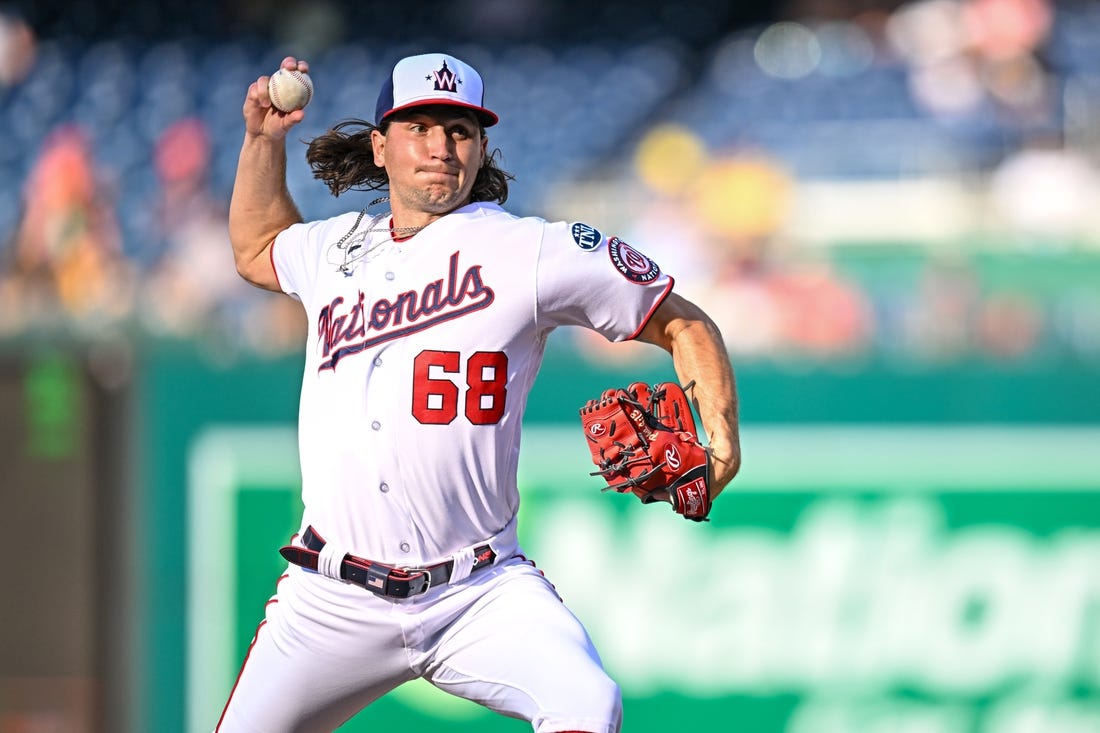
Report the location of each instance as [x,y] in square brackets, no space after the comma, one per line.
[405,546]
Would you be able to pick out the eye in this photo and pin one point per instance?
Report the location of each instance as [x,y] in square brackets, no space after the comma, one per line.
[461,132]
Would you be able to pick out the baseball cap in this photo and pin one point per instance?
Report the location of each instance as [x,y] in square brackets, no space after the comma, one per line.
[433,78]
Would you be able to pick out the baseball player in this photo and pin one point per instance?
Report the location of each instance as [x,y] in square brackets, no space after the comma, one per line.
[427,325]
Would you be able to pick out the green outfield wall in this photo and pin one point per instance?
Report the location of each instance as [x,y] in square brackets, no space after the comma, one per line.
[905,550]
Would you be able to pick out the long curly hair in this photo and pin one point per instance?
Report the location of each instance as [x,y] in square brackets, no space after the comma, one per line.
[343,159]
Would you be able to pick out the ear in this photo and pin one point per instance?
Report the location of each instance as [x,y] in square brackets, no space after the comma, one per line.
[378,145]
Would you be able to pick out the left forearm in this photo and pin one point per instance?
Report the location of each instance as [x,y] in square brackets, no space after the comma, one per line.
[699,355]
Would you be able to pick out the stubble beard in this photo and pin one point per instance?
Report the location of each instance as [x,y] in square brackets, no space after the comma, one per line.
[436,200]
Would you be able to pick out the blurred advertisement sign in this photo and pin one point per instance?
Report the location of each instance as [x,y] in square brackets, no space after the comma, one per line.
[852,580]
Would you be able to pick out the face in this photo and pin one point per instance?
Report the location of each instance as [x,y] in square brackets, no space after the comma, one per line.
[431,155]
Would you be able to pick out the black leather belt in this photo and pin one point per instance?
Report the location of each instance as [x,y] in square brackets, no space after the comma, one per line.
[385,580]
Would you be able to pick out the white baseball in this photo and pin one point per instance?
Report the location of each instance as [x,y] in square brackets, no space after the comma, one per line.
[290,90]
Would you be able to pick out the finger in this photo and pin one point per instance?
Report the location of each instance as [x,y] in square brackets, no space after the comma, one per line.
[293,118]
[258,92]
[293,64]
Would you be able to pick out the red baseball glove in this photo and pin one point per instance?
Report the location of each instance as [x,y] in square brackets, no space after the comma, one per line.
[644,442]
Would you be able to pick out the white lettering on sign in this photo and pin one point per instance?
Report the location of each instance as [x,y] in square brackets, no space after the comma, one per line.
[867,595]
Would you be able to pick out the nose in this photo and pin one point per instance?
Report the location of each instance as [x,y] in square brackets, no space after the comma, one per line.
[439,143]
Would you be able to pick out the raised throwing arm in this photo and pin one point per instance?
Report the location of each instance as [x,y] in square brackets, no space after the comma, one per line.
[261,206]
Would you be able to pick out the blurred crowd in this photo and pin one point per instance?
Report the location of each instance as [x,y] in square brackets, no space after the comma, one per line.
[759,165]
[67,272]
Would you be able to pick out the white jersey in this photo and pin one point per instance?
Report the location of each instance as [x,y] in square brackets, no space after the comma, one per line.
[419,360]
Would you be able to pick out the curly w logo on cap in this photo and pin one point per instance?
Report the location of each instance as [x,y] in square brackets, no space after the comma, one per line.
[433,78]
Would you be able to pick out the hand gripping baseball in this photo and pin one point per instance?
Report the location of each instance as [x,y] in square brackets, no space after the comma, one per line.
[261,115]
[644,441]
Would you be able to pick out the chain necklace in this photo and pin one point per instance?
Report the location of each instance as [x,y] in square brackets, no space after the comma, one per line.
[351,248]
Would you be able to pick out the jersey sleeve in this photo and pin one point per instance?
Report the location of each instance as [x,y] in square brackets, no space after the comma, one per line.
[599,282]
[300,251]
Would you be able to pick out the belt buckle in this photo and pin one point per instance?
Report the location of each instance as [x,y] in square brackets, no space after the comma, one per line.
[418,575]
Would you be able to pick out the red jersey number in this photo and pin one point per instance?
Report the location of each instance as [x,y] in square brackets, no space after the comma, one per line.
[435,399]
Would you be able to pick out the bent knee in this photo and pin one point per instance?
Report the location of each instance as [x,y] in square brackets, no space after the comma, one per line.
[594,707]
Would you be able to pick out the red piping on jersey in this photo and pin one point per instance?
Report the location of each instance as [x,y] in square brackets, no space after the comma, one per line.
[274,269]
[645,321]
[255,638]
[396,238]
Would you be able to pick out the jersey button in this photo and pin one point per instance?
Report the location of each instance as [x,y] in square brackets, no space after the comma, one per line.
[378,362]
[390,276]
[383,487]
[405,547]
[376,425]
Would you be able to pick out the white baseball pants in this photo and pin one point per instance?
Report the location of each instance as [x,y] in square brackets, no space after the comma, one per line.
[502,638]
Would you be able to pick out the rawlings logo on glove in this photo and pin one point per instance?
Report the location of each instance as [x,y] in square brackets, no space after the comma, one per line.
[644,441]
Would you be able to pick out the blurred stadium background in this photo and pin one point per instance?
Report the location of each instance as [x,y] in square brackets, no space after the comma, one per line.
[891,209]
